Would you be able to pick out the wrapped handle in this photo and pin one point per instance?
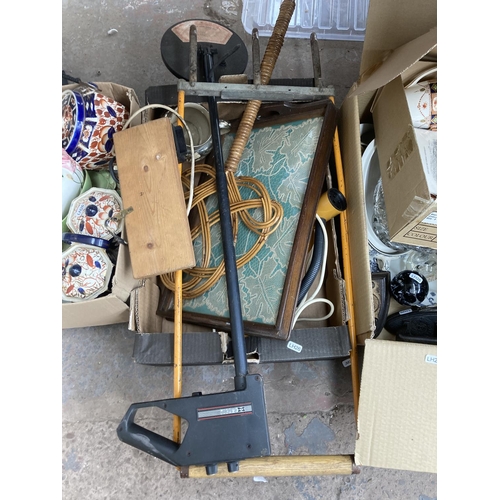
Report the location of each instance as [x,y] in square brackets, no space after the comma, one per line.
[266,68]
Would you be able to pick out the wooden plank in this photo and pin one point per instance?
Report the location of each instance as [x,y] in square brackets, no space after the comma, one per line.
[158,230]
[286,465]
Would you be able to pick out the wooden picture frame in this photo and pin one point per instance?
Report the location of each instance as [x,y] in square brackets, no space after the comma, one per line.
[322,115]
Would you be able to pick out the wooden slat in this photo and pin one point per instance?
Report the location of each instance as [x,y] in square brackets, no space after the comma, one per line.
[274,466]
[158,230]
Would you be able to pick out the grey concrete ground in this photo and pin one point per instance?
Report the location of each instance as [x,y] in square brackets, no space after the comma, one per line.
[309,412]
[309,404]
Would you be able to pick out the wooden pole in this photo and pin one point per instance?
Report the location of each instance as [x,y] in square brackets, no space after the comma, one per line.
[275,466]
[344,230]
[178,313]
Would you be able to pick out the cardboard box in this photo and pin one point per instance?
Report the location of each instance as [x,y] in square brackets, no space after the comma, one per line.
[154,338]
[397,424]
[205,346]
[397,404]
[407,163]
[114,307]
[407,168]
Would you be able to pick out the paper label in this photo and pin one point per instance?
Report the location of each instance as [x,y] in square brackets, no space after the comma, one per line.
[346,362]
[432,359]
[406,311]
[432,218]
[427,145]
[80,209]
[416,277]
[294,347]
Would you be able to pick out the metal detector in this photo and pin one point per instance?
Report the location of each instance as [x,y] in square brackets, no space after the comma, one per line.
[230,426]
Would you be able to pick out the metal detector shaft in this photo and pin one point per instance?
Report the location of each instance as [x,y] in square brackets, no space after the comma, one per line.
[231,270]
[228,426]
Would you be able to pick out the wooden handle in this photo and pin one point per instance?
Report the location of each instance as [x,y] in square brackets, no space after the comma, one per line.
[178,311]
[274,466]
[344,231]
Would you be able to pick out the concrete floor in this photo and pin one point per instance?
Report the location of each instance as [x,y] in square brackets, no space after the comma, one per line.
[309,404]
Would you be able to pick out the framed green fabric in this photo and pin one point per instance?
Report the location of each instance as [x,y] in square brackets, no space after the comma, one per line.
[288,151]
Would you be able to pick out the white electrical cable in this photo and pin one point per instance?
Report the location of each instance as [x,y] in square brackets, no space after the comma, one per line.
[306,302]
[193,159]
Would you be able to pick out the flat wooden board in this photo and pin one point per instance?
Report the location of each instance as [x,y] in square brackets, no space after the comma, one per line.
[158,231]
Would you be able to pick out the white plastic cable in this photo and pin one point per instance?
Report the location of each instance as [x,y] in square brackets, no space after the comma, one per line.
[306,302]
[193,160]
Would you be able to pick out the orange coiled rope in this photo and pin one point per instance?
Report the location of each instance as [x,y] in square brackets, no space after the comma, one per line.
[203,276]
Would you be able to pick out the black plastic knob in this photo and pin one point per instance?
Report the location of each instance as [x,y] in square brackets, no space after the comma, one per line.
[233,466]
[211,469]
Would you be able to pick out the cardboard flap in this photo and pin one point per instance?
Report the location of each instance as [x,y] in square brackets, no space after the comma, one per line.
[123,280]
[143,299]
[356,216]
[394,64]
[397,416]
[393,23]
[124,95]
[106,310]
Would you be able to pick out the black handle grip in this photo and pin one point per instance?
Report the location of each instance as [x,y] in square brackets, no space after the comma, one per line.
[144,439]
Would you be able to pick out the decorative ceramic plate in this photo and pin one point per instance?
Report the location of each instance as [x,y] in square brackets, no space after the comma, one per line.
[86,271]
[96,213]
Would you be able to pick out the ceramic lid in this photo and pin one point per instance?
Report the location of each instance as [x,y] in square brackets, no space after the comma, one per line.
[86,271]
[94,213]
[73,115]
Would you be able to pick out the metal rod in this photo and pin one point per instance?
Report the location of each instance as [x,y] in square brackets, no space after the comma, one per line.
[231,271]
[318,81]
[193,55]
[228,54]
[248,92]
[256,56]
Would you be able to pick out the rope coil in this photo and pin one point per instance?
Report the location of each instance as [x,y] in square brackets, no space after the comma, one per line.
[204,276]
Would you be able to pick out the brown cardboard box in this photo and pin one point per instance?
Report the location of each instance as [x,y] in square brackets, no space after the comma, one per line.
[410,190]
[408,178]
[397,404]
[114,307]
[323,340]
